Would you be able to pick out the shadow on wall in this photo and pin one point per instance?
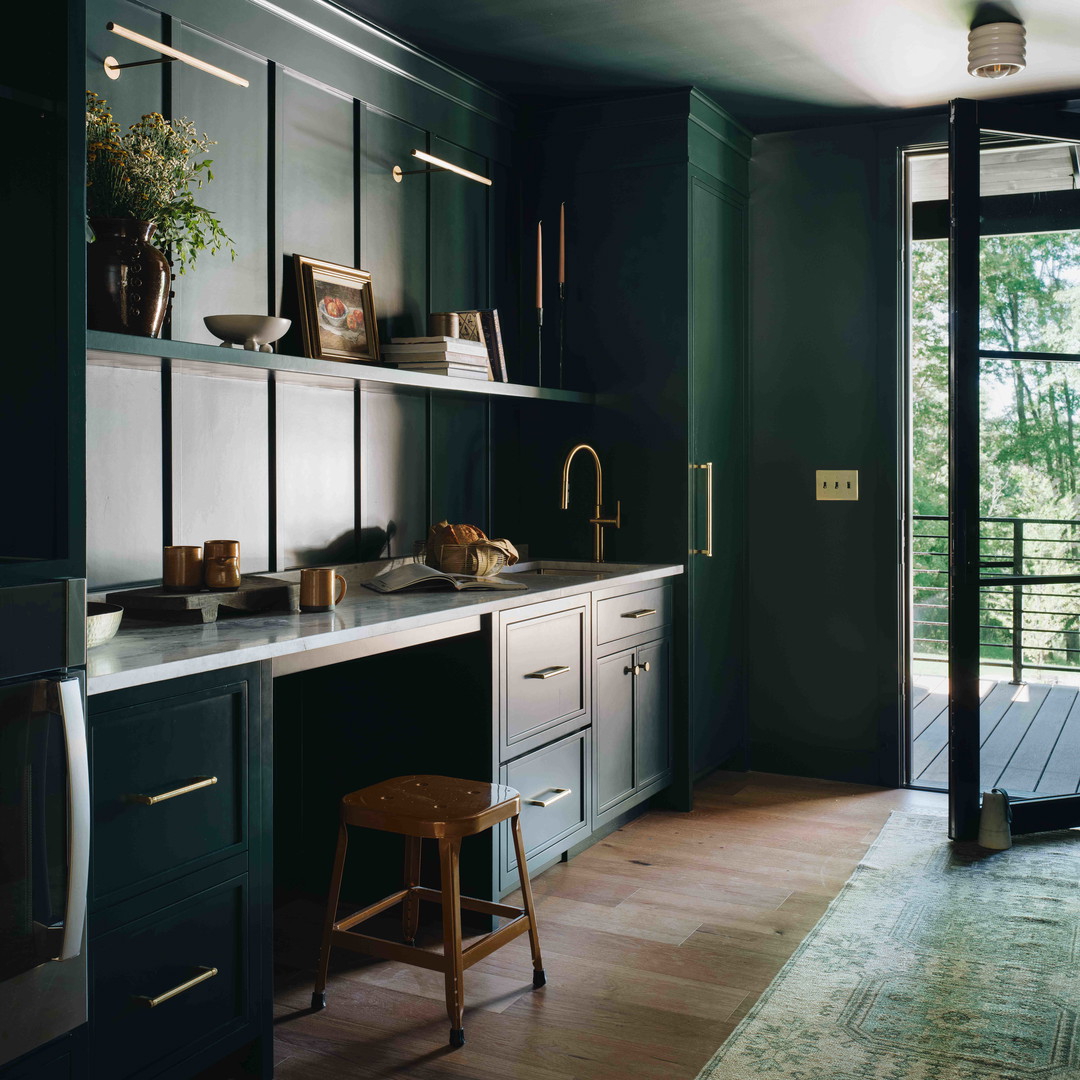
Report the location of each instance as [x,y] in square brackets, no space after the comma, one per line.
[373,542]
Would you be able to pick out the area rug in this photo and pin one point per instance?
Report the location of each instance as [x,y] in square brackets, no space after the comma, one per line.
[933,963]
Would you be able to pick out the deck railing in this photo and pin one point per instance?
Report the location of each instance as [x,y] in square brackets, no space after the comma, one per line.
[1034,626]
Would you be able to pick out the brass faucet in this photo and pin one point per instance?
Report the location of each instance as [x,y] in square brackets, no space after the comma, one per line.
[596,521]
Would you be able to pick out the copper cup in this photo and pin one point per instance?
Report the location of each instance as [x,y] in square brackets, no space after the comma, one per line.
[221,564]
[182,568]
[317,587]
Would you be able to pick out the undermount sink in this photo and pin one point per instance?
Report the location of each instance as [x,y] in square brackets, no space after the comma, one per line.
[553,568]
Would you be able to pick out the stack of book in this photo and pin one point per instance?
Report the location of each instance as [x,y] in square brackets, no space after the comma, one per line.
[440,355]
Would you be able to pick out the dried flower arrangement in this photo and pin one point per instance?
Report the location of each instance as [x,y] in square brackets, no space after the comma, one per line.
[150,174]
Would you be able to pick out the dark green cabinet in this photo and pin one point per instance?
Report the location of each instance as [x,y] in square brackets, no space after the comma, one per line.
[656,191]
[179,949]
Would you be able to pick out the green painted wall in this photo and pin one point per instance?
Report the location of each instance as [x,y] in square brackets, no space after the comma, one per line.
[825,393]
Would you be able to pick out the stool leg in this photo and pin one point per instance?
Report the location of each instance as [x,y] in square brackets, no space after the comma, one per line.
[449,859]
[539,978]
[410,914]
[318,997]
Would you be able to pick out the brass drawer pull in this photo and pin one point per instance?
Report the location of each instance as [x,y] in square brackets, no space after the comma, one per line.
[639,614]
[631,670]
[548,672]
[645,666]
[152,1002]
[707,549]
[198,782]
[560,793]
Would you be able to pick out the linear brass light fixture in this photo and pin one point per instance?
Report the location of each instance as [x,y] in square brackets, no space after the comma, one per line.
[439,164]
[113,68]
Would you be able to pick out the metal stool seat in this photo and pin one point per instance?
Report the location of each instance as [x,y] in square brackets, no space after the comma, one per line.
[443,809]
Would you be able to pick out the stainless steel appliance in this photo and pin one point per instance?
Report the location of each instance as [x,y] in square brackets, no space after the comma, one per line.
[44,816]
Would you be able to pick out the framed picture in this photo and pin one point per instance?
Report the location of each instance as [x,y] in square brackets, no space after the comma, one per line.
[337,311]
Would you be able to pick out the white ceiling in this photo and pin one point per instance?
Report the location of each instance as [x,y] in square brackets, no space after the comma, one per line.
[773,63]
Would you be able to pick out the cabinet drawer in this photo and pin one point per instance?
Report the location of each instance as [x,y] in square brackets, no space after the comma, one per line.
[543,674]
[556,775]
[170,747]
[145,960]
[632,613]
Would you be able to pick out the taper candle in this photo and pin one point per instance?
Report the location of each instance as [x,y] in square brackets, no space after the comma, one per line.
[562,243]
[540,264]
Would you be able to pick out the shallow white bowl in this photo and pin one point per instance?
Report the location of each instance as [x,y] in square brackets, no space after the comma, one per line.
[102,622]
[255,332]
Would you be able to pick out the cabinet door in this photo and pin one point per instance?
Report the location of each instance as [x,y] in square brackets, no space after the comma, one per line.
[652,713]
[613,729]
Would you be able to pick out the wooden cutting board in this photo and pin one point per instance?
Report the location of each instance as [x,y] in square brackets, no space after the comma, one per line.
[255,595]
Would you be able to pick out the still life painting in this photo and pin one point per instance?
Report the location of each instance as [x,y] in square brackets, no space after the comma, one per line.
[338,311]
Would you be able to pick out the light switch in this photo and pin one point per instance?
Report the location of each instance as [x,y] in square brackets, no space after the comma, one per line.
[837,484]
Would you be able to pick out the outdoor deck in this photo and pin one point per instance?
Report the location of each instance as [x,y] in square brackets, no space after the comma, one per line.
[1030,736]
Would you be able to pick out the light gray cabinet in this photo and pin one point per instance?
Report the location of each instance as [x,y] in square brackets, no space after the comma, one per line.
[631,728]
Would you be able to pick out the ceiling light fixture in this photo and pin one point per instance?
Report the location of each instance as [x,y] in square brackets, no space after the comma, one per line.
[996,49]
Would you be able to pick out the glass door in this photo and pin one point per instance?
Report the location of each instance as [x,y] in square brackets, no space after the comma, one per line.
[1014,473]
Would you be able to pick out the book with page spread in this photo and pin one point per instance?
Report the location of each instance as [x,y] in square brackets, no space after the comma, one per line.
[421,576]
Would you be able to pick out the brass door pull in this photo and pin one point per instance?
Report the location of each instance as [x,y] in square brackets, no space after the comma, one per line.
[639,614]
[560,793]
[707,549]
[548,672]
[153,1002]
[195,785]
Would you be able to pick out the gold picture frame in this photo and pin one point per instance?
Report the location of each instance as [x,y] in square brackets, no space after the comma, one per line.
[337,311]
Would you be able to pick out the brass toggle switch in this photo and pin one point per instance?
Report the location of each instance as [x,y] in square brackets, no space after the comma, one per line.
[837,485]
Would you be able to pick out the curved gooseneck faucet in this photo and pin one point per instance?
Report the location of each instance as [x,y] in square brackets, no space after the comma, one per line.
[597,521]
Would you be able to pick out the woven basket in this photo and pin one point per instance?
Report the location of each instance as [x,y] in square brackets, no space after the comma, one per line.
[464,549]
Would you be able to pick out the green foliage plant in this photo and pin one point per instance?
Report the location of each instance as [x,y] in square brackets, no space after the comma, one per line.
[150,173]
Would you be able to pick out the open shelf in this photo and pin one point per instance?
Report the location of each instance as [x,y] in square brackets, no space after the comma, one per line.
[127,350]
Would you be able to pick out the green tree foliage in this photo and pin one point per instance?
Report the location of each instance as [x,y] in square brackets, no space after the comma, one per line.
[1030,424]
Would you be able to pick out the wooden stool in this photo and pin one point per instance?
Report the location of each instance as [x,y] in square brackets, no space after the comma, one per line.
[443,809]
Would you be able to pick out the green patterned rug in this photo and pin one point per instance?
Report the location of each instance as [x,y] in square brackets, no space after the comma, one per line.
[933,963]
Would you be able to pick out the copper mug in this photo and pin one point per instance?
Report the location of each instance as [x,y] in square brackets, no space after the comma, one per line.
[182,568]
[317,589]
[221,564]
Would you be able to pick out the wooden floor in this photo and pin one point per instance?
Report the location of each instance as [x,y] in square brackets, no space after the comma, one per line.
[656,941]
[1030,736]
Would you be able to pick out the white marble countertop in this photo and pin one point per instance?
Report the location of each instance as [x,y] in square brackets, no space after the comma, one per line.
[144,652]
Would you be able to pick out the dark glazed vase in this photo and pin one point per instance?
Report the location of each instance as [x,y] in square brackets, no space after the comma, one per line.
[127,278]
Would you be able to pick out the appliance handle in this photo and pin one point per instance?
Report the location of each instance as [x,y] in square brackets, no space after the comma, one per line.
[74,718]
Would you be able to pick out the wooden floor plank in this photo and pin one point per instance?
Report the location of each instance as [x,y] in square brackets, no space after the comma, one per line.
[1062,773]
[1001,744]
[924,685]
[1028,762]
[656,942]
[994,706]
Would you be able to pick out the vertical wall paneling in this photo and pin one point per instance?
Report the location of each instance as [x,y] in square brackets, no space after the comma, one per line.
[123,475]
[317,186]
[458,232]
[138,90]
[395,224]
[235,118]
[459,472]
[316,511]
[393,499]
[220,465]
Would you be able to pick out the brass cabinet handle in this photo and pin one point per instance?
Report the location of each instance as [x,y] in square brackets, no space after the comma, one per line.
[198,782]
[560,793]
[639,614]
[637,669]
[548,672]
[707,549]
[645,666]
[153,1002]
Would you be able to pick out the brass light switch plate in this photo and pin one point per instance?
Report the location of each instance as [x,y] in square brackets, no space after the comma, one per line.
[836,485]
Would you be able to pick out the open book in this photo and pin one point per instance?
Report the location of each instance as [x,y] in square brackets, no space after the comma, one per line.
[420,576]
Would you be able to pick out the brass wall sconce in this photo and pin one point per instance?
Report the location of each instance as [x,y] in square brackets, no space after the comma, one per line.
[439,164]
[171,55]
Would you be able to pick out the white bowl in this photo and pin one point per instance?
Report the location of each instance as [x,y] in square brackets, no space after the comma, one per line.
[102,622]
[254,332]
[336,321]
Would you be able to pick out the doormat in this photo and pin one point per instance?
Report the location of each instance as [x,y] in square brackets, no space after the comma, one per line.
[935,962]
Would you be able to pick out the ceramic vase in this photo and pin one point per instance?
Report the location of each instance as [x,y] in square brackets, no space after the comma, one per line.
[127,278]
